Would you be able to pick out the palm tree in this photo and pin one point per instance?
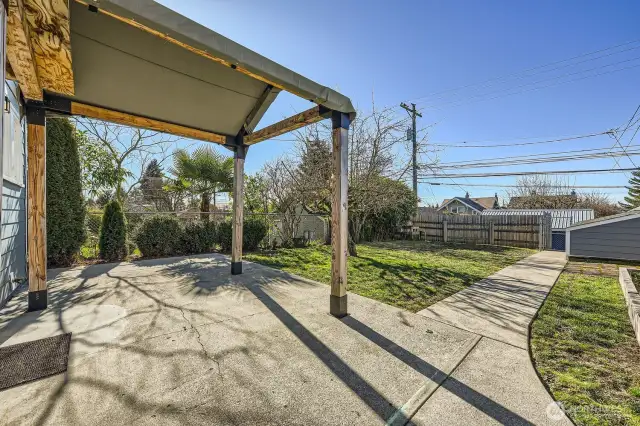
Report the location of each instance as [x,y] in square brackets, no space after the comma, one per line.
[203,172]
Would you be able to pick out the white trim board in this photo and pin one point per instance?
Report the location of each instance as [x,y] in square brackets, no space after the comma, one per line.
[629,216]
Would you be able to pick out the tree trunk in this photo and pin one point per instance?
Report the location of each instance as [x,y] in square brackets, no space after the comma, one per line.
[204,206]
[353,251]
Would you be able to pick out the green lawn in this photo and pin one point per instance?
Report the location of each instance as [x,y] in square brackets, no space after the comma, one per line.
[585,349]
[408,274]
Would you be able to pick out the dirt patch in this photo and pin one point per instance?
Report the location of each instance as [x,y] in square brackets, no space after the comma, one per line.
[592,268]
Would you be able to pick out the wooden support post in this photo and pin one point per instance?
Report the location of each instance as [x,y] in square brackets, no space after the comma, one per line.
[36,207]
[445,232]
[541,245]
[492,233]
[339,217]
[240,151]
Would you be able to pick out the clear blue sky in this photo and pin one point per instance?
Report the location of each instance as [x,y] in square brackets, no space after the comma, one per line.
[404,50]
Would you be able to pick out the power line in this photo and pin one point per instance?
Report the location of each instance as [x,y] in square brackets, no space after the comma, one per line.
[527,70]
[487,185]
[482,97]
[548,159]
[464,144]
[549,172]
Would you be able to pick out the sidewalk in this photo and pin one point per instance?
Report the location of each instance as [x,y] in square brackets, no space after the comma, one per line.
[498,369]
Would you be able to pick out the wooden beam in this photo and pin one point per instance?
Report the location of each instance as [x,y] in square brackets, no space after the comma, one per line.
[240,152]
[250,122]
[50,33]
[297,121]
[36,207]
[20,53]
[339,215]
[143,122]
[195,50]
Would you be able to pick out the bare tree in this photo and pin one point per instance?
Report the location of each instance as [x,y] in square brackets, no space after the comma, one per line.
[130,150]
[284,196]
[600,203]
[378,150]
[542,192]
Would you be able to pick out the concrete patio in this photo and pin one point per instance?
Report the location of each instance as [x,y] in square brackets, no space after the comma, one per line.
[180,341]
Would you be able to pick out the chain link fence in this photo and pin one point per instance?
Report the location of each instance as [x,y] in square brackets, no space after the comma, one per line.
[303,228]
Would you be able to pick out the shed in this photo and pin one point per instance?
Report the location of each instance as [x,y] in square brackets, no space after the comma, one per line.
[561,219]
[614,237]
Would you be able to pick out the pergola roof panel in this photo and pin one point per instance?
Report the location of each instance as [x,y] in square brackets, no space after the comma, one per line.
[118,66]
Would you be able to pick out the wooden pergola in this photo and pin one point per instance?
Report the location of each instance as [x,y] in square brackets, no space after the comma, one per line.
[138,63]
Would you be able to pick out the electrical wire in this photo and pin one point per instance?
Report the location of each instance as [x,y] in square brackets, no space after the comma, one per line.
[548,172]
[486,185]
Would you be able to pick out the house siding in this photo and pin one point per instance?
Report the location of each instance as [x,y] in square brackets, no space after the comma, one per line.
[13,220]
[617,240]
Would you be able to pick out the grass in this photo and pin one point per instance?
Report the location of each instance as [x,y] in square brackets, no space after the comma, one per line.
[585,350]
[408,274]
[635,277]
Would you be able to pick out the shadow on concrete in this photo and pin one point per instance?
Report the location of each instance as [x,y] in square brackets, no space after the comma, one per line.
[462,391]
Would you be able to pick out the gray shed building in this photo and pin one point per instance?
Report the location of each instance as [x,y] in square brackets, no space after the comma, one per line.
[611,237]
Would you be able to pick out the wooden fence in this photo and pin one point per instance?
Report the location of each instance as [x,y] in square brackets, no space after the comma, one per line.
[518,231]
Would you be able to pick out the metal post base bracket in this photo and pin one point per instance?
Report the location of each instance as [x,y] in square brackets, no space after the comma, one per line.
[236,268]
[338,306]
[37,300]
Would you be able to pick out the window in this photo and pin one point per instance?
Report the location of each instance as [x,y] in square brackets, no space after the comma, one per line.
[13,145]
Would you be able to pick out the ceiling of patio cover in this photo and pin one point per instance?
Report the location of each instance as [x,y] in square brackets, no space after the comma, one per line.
[119,66]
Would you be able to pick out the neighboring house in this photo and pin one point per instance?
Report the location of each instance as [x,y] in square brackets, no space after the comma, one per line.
[561,219]
[535,201]
[615,237]
[13,223]
[468,205]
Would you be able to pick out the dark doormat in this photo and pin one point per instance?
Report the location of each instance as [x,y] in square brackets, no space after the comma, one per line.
[35,360]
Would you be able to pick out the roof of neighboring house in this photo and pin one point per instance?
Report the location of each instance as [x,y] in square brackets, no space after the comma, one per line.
[630,214]
[561,219]
[471,202]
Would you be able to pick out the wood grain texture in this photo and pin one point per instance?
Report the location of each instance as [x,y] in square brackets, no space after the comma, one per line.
[8,72]
[20,53]
[238,206]
[36,207]
[49,29]
[143,122]
[312,115]
[339,219]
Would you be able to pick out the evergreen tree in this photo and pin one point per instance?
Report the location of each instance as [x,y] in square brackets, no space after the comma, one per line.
[152,185]
[113,233]
[65,203]
[633,199]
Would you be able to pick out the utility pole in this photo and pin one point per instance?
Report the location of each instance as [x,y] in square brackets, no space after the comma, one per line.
[413,113]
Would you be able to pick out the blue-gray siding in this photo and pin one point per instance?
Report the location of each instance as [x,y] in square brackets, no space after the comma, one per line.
[13,223]
[13,239]
[617,240]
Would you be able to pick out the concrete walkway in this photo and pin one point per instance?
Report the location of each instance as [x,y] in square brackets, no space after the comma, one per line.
[499,310]
[180,341]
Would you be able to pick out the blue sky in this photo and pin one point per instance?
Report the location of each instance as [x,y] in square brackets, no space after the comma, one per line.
[404,50]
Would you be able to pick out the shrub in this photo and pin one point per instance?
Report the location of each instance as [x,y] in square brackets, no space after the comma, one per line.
[160,236]
[65,204]
[198,237]
[225,235]
[254,231]
[113,233]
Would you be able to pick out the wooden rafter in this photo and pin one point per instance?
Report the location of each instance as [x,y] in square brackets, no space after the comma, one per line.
[297,121]
[49,29]
[143,122]
[20,53]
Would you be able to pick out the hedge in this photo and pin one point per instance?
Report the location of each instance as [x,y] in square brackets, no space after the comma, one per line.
[254,231]
[65,204]
[199,237]
[160,236]
[113,233]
